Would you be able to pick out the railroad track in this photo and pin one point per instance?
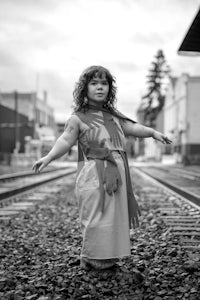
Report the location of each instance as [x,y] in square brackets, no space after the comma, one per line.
[170,193]
[11,185]
[18,191]
[176,201]
[184,182]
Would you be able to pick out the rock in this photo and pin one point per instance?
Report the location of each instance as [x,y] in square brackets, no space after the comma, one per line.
[190,266]
[149,217]
[138,276]
[172,252]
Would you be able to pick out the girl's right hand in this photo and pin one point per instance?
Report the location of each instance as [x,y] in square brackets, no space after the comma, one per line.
[41,164]
[161,137]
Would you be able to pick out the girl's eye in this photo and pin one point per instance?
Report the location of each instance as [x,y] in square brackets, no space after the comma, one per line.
[95,82]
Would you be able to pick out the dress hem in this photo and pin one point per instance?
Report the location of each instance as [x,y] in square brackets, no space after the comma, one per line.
[113,257]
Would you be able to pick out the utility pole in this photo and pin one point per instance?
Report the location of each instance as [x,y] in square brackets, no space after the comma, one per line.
[37,82]
[17,133]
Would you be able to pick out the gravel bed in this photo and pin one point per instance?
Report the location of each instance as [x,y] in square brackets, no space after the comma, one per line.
[40,256]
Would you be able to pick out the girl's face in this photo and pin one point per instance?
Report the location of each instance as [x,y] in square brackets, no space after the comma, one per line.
[97,89]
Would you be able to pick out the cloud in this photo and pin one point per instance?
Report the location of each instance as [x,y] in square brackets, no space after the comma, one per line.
[58,39]
[146,39]
[59,88]
[8,60]
[126,66]
[18,7]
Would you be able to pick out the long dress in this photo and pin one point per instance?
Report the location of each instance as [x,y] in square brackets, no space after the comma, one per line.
[104,214]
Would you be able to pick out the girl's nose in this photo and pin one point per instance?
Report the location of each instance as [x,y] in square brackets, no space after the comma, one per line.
[99,86]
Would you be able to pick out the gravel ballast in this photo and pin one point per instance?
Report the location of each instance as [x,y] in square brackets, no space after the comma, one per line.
[40,256]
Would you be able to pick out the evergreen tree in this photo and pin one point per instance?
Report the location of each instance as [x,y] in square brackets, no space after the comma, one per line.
[154,99]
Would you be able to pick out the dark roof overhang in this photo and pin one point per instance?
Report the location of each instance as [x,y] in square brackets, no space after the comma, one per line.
[191,42]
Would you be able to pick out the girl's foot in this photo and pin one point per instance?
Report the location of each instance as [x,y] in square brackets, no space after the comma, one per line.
[85,265]
[97,264]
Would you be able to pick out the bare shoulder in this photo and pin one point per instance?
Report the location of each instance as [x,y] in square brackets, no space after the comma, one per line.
[73,123]
[73,119]
[81,120]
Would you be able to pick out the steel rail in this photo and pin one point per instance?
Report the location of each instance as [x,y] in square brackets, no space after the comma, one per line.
[38,181]
[22,174]
[191,197]
[180,215]
[182,173]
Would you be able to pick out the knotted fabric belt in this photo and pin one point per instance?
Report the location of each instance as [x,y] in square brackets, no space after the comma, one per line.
[110,179]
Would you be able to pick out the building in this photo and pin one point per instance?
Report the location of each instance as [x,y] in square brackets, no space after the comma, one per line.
[181,118]
[9,131]
[22,115]
[30,105]
[190,46]
[148,148]
[139,143]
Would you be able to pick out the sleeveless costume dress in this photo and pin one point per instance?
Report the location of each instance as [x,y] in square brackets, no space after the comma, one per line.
[107,205]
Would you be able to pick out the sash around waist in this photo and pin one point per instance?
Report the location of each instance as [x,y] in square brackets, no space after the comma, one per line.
[116,154]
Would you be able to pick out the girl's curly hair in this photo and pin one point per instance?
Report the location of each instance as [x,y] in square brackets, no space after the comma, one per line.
[80,91]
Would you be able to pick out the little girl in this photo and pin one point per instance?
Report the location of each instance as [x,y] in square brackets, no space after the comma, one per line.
[107,206]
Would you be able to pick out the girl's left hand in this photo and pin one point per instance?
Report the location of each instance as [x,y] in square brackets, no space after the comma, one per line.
[161,137]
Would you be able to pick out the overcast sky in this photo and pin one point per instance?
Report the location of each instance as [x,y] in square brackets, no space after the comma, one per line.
[46,44]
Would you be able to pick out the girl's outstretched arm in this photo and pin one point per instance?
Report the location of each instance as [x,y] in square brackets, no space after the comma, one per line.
[139,130]
[62,145]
